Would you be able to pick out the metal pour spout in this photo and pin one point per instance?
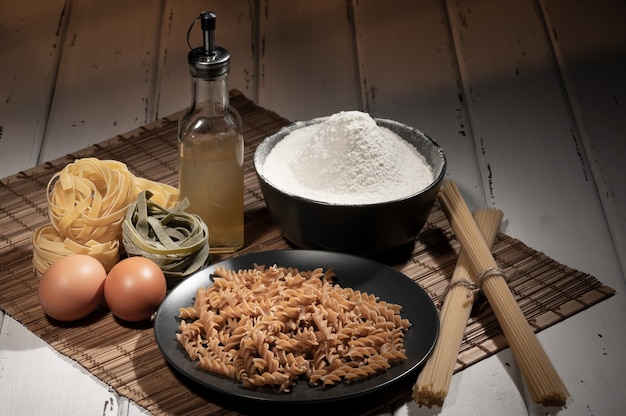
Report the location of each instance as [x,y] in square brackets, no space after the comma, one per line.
[207,23]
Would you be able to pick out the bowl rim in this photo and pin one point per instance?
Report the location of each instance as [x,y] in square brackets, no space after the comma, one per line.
[285,130]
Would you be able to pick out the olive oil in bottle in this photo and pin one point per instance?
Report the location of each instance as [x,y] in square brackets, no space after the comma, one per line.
[210,148]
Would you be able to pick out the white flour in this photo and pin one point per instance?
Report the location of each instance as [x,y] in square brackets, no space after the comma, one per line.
[347,159]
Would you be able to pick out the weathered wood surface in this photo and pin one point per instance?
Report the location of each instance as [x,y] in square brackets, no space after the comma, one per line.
[526,97]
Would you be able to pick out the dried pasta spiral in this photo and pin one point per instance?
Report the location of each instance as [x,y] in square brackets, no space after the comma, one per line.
[272,326]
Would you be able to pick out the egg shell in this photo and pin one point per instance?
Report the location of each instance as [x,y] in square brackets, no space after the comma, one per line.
[72,287]
[134,289]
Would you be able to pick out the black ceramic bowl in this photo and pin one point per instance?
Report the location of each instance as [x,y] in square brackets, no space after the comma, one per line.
[363,229]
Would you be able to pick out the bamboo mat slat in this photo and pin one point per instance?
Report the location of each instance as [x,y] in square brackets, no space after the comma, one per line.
[127,358]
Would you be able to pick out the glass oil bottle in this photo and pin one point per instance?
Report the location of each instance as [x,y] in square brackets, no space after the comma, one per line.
[210,145]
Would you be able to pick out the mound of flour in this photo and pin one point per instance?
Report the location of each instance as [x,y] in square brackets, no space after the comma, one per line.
[347,159]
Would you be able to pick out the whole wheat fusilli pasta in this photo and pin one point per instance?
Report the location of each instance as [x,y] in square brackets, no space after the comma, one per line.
[271,326]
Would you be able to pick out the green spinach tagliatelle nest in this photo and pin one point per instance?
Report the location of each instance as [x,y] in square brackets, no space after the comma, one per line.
[174,239]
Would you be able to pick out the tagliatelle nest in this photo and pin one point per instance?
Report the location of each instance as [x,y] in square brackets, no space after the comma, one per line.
[87,202]
[87,199]
[175,240]
[49,247]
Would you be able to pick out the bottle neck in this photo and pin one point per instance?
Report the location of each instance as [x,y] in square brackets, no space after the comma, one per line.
[210,95]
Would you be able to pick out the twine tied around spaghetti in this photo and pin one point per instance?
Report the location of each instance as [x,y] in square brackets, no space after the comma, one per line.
[492,271]
[476,287]
[473,287]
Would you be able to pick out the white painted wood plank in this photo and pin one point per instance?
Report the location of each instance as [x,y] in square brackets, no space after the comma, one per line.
[587,349]
[236,31]
[533,164]
[30,40]
[590,45]
[106,76]
[135,410]
[538,174]
[408,73]
[480,390]
[46,382]
[307,61]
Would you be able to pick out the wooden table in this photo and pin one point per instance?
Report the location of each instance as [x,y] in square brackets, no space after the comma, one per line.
[526,97]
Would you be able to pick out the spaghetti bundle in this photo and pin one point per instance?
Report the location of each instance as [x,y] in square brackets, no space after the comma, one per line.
[544,384]
[434,380]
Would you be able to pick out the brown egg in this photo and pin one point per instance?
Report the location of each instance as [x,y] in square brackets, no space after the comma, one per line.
[134,289]
[72,287]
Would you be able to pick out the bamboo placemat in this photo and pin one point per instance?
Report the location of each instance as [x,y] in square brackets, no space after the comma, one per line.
[127,358]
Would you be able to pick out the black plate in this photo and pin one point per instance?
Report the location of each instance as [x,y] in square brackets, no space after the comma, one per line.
[352,271]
